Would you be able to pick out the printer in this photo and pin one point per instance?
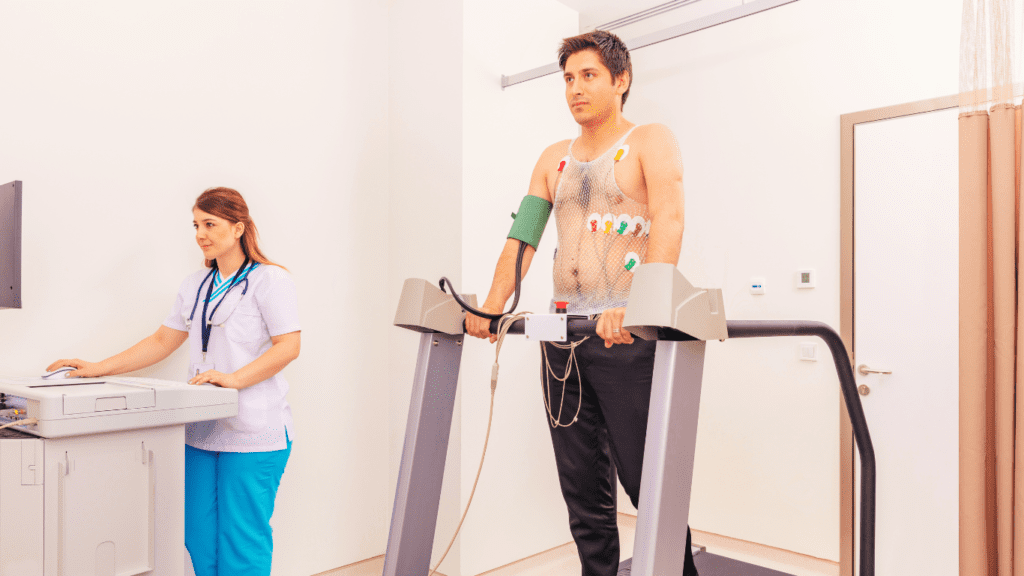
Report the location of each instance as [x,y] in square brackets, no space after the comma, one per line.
[97,486]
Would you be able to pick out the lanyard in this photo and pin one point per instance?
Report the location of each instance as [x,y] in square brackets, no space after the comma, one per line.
[207,325]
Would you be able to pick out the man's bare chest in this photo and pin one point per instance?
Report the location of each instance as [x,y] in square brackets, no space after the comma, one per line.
[627,173]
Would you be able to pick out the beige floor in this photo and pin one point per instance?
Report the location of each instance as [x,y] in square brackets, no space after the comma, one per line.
[563,561]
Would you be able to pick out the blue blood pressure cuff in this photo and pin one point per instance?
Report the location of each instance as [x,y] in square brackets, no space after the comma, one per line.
[530,221]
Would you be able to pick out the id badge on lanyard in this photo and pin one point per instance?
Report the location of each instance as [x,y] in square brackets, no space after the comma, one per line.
[197,369]
[206,326]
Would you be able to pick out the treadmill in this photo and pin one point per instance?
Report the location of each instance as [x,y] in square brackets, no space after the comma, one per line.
[662,306]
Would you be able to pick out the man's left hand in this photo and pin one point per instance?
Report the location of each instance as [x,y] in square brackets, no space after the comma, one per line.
[217,378]
[609,328]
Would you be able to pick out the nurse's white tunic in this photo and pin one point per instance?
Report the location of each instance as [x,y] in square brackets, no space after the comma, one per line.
[241,333]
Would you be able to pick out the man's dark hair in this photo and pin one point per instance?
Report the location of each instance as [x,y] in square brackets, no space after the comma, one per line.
[612,50]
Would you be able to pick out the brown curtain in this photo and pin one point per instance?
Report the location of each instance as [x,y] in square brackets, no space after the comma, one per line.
[991,409]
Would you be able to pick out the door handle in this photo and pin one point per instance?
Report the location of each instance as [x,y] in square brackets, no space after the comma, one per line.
[863,369]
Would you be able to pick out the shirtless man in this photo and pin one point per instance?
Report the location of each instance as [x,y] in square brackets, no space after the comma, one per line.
[617,192]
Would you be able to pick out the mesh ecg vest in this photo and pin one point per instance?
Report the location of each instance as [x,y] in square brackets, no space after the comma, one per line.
[602,233]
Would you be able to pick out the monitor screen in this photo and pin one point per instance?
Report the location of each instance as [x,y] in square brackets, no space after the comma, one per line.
[10,245]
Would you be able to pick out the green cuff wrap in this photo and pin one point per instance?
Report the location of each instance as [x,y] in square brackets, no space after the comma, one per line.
[530,221]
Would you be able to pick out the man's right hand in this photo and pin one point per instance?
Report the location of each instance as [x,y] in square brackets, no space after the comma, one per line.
[480,327]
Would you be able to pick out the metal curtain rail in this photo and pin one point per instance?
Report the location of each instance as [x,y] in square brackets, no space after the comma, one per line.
[683,29]
[645,14]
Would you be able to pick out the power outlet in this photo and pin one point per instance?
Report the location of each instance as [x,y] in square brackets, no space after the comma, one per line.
[809,351]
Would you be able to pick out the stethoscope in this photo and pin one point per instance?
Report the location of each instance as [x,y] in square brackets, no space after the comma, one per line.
[207,326]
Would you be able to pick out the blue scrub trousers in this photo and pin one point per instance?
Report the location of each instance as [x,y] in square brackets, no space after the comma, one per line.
[229,499]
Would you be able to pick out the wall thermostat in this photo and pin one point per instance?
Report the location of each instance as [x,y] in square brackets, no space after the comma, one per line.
[805,278]
[757,285]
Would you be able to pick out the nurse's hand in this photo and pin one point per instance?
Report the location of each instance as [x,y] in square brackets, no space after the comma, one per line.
[609,328]
[217,378]
[83,369]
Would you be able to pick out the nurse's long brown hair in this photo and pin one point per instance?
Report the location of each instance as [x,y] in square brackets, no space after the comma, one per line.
[228,204]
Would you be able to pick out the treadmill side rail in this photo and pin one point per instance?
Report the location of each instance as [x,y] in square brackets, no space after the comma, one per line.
[661,297]
[423,307]
[418,495]
[668,459]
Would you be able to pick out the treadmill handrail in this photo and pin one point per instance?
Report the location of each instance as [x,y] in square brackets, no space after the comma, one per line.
[844,369]
[574,327]
[587,327]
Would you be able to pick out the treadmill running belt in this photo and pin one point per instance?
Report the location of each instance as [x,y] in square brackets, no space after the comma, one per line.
[715,565]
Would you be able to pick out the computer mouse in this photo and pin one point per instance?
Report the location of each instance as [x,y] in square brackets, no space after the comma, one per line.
[59,373]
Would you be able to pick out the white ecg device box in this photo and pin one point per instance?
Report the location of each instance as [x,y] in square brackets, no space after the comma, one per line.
[75,406]
[97,487]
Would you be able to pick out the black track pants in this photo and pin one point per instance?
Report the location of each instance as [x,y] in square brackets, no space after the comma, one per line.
[608,436]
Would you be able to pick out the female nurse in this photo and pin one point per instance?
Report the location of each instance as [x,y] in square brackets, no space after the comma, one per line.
[240,317]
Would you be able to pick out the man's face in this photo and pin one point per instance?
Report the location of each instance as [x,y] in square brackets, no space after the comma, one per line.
[589,87]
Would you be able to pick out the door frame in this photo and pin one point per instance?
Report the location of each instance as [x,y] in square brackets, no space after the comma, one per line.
[847,306]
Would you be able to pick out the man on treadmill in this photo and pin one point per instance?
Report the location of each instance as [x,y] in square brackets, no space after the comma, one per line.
[617,195]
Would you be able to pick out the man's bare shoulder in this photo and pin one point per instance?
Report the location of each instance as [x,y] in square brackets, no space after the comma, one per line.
[555,152]
[542,181]
[657,148]
[654,135]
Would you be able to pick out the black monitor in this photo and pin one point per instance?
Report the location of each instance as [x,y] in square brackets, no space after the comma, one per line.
[10,245]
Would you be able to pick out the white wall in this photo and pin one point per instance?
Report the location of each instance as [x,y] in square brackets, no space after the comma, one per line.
[116,115]
[518,509]
[755,104]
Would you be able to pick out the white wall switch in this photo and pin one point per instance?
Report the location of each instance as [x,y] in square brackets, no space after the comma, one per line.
[805,278]
[757,285]
[809,351]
